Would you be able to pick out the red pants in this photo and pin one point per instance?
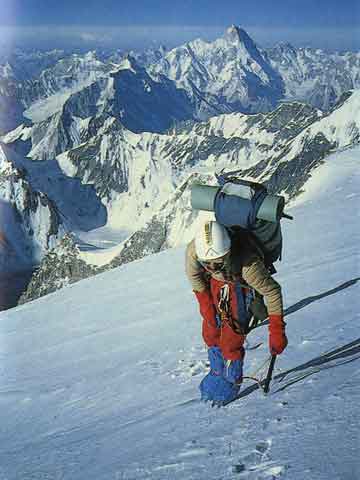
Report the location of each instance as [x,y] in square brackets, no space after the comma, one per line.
[216,333]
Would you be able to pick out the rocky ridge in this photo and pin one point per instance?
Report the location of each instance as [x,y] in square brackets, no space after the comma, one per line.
[30,222]
[312,75]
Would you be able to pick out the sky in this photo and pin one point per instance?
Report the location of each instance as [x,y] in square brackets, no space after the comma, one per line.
[329,24]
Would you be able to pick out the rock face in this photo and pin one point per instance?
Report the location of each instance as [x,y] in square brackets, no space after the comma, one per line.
[290,176]
[146,241]
[103,160]
[314,76]
[30,223]
[130,95]
[59,268]
[70,73]
[142,104]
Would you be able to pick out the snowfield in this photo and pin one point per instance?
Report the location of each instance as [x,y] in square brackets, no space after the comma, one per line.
[99,380]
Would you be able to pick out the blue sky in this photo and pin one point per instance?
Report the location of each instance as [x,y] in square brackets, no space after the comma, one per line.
[125,23]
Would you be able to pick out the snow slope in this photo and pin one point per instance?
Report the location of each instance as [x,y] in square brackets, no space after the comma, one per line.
[99,380]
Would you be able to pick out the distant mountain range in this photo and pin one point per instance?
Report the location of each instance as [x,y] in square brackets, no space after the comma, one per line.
[230,74]
[117,140]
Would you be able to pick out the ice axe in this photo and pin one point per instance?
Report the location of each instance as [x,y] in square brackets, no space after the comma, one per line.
[269,374]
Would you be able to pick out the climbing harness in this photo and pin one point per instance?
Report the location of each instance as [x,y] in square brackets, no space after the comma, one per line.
[244,301]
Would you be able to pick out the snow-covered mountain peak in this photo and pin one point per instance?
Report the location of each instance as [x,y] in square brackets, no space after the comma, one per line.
[237,43]
[235,34]
[228,74]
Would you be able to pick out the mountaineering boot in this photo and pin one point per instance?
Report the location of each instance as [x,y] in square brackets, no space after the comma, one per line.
[225,392]
[233,371]
[209,383]
[229,386]
[222,383]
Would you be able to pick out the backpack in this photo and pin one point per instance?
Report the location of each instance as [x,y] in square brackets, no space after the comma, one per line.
[248,212]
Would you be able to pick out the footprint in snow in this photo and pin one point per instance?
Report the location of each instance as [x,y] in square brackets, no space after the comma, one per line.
[190,368]
[258,463]
[195,362]
[152,365]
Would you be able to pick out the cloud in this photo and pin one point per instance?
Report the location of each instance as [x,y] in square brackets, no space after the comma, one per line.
[95,38]
[88,37]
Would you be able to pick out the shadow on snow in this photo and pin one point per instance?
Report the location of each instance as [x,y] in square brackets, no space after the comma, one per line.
[334,358]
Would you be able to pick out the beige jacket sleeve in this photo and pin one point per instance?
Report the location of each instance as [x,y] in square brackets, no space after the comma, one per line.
[194,271]
[253,272]
[258,277]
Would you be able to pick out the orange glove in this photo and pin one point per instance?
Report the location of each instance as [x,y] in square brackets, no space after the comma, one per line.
[277,338]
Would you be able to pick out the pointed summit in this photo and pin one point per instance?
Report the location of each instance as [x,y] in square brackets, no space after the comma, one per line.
[232,33]
[235,34]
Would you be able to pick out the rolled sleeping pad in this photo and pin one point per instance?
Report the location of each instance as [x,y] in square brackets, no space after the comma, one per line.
[271,208]
[203,197]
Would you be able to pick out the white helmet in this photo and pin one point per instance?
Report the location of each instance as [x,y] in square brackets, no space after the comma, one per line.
[212,241]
